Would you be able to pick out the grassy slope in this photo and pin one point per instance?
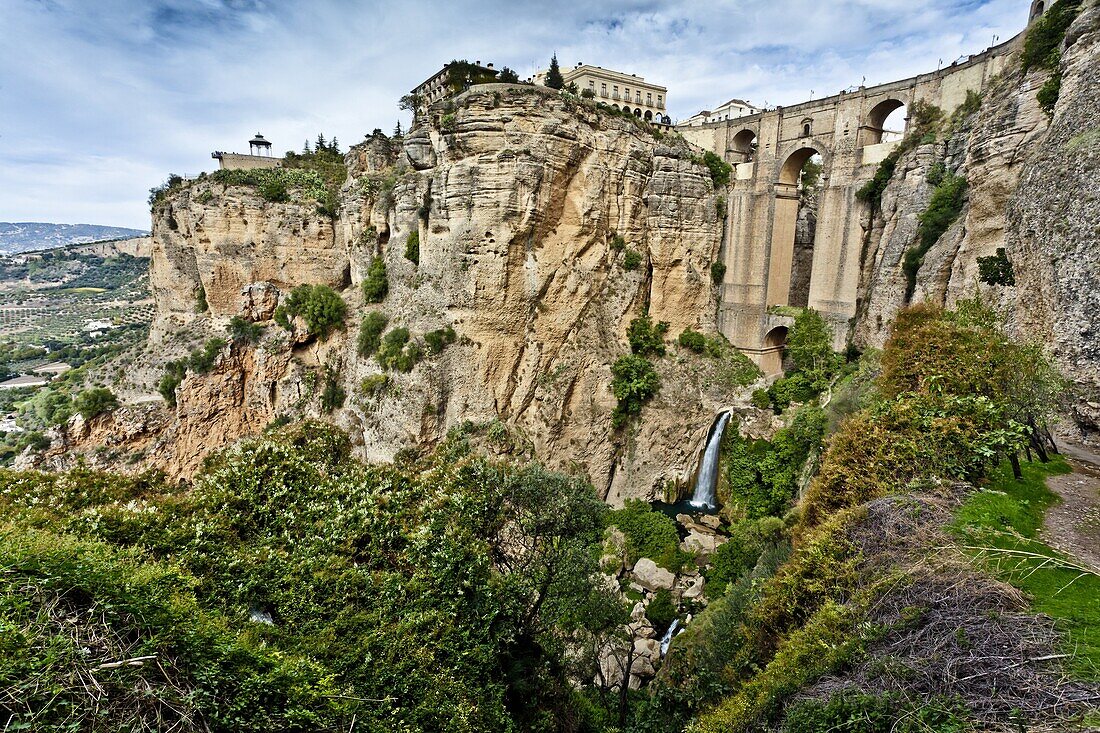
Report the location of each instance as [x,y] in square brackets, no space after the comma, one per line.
[1007,515]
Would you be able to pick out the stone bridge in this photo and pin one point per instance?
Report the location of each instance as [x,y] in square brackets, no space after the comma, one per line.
[768,151]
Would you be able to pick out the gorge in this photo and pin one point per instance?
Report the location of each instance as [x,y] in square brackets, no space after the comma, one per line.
[400,449]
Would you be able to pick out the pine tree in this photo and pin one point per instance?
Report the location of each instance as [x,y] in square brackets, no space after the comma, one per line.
[334,146]
[305,148]
[397,130]
[554,78]
[321,142]
[508,76]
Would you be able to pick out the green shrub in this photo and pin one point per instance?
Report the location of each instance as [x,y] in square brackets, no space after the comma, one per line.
[649,534]
[372,385]
[439,339]
[1048,93]
[320,306]
[1043,44]
[856,712]
[872,191]
[719,169]
[201,305]
[634,381]
[174,372]
[398,352]
[748,541]
[647,338]
[693,340]
[631,260]
[370,332]
[94,402]
[943,208]
[618,244]
[661,611]
[244,331]
[202,360]
[448,123]
[274,190]
[332,394]
[375,284]
[996,269]
[412,247]
[717,272]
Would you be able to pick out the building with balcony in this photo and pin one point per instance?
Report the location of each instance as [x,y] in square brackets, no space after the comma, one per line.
[442,83]
[616,89]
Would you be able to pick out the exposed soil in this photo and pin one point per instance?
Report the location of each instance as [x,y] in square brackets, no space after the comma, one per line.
[1073,525]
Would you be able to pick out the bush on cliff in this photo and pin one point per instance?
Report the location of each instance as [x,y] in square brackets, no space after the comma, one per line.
[370,332]
[92,403]
[320,306]
[634,381]
[375,284]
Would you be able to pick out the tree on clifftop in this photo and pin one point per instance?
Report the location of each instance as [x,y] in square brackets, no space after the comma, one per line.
[554,79]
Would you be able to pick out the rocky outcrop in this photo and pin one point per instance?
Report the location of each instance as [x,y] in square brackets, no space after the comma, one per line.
[527,207]
[1031,190]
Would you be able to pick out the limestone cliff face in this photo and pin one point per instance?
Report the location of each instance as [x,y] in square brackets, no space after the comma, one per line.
[526,207]
[1031,190]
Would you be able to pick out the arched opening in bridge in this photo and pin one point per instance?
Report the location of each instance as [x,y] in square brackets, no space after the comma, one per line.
[771,355]
[743,147]
[794,228]
[886,122]
[1037,8]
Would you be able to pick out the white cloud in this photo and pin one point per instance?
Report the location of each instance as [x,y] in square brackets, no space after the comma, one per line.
[100,101]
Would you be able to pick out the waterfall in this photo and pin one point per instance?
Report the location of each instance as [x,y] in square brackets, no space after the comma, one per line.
[667,638]
[708,469]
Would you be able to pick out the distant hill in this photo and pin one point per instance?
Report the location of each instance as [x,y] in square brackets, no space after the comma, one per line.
[28,235]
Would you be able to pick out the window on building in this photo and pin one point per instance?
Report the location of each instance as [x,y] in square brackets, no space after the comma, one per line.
[591,85]
[649,98]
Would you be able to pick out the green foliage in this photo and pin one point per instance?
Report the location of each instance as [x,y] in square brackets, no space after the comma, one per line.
[201,306]
[1043,44]
[300,175]
[693,340]
[634,381]
[956,395]
[174,372]
[661,610]
[810,174]
[761,477]
[1008,516]
[397,596]
[92,403]
[647,338]
[719,169]
[996,269]
[508,76]
[554,79]
[1048,93]
[320,306]
[244,331]
[448,122]
[943,208]
[649,534]
[374,384]
[439,339]
[814,364]
[398,352]
[461,75]
[158,194]
[202,360]
[412,247]
[618,244]
[332,394]
[632,260]
[717,272]
[375,284]
[856,712]
[872,191]
[748,540]
[370,332]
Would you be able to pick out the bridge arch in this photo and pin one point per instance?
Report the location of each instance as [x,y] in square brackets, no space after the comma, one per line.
[790,272]
[742,147]
[1037,9]
[889,113]
[771,354]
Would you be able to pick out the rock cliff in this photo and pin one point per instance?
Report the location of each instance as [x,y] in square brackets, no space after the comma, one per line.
[1032,191]
[528,209]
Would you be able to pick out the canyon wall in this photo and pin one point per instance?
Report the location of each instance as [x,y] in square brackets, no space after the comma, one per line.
[528,208]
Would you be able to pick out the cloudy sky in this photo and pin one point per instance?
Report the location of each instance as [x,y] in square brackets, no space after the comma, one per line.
[101,99]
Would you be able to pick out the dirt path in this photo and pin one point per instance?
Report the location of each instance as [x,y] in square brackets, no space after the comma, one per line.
[1073,525]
